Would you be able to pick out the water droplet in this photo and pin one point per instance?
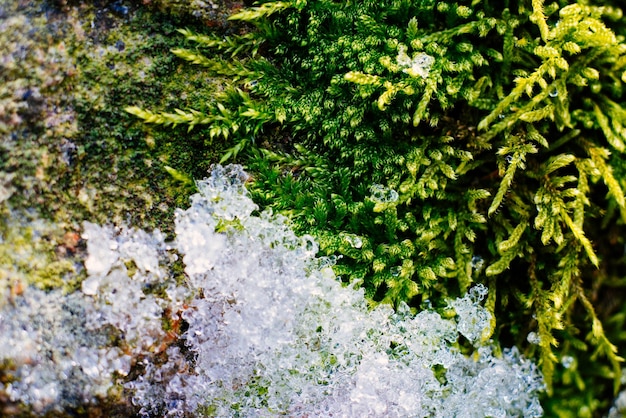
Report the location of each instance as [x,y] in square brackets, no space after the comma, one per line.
[508,159]
[395,271]
[119,9]
[382,194]
[354,241]
[553,93]
[501,116]
[533,338]
[567,361]
[477,262]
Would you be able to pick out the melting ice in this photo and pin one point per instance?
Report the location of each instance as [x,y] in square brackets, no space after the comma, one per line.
[271,331]
[417,66]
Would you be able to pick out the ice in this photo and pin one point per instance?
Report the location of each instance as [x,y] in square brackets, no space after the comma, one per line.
[477,263]
[474,321]
[567,361]
[417,66]
[533,338]
[275,333]
[101,249]
[259,327]
[383,194]
[59,363]
[90,285]
[61,344]
[354,240]
[618,410]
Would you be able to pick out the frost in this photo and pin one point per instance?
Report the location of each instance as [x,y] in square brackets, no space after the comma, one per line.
[269,330]
[417,66]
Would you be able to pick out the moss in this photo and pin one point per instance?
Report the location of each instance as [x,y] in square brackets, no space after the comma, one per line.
[459,142]
[32,253]
[68,148]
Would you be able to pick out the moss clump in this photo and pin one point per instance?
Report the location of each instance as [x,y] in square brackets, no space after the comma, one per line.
[455,143]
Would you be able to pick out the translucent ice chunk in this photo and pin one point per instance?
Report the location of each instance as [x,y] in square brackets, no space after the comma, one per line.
[383,194]
[90,285]
[354,240]
[417,66]
[533,338]
[100,246]
[276,333]
[473,320]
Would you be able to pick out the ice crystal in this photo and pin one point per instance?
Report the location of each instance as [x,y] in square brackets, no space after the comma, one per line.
[533,338]
[269,330]
[417,66]
[382,194]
